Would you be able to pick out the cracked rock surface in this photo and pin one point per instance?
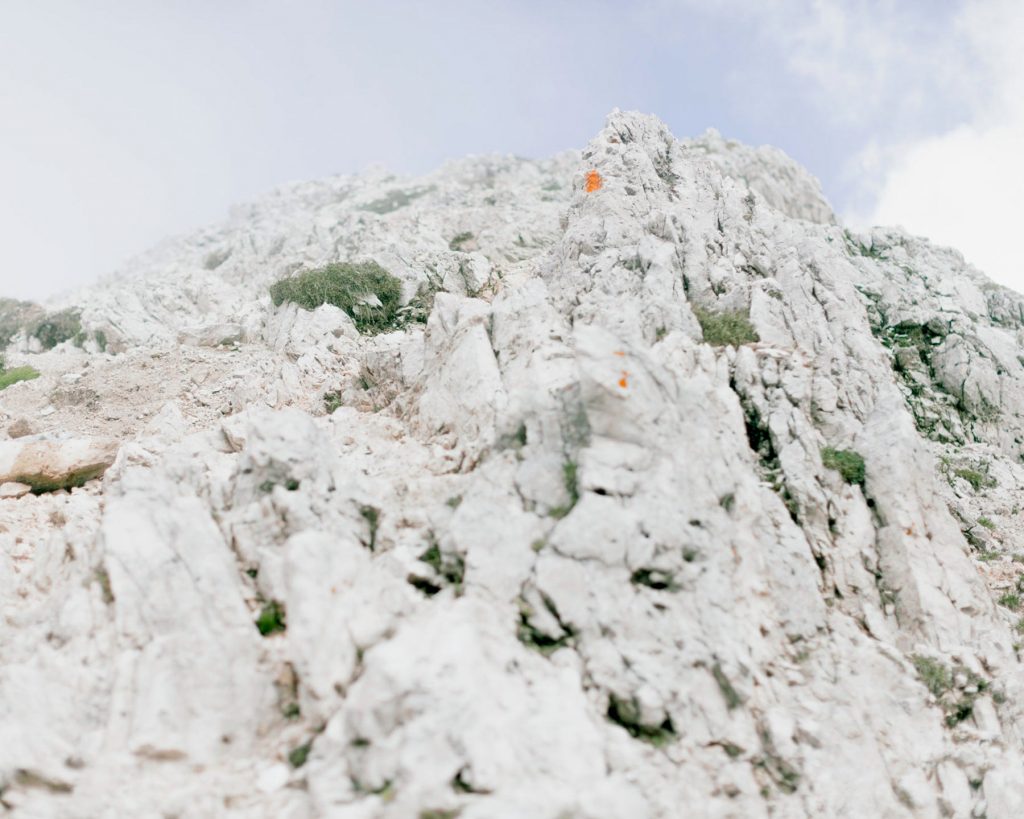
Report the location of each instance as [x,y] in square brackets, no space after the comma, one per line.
[559,549]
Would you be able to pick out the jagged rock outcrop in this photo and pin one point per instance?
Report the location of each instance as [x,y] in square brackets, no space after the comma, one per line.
[559,551]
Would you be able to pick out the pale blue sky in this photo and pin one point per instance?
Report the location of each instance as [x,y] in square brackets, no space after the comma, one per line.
[124,122]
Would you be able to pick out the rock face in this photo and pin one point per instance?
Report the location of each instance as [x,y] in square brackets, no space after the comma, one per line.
[559,551]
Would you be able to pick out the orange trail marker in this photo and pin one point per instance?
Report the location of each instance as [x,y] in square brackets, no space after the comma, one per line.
[623,382]
[594,181]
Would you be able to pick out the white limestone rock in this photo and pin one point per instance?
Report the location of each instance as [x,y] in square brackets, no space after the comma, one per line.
[49,462]
[223,334]
[553,553]
[13,489]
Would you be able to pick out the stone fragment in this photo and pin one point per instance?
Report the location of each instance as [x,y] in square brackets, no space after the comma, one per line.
[222,334]
[12,489]
[20,428]
[52,461]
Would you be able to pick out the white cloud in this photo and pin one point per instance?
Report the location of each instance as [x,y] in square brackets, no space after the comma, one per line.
[871,61]
[886,65]
[963,187]
[937,91]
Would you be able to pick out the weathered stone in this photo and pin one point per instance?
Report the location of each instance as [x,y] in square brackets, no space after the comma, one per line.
[14,490]
[222,334]
[50,462]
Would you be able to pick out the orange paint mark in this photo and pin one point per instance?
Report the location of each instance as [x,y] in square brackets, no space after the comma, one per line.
[594,181]
[620,352]
[624,381]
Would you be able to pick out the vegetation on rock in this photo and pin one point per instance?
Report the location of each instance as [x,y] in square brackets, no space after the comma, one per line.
[727,328]
[16,374]
[16,316]
[846,462]
[56,328]
[956,701]
[460,240]
[366,291]
[271,618]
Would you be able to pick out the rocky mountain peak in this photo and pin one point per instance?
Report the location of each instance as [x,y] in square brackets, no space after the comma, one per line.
[657,492]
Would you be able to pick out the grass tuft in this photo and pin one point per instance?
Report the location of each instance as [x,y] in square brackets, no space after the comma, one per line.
[730,328]
[846,462]
[271,618]
[977,480]
[935,676]
[13,376]
[366,291]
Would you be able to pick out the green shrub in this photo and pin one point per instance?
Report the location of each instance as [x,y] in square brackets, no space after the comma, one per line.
[728,328]
[16,316]
[460,240]
[332,400]
[846,462]
[656,579]
[976,479]
[55,328]
[371,514]
[933,674]
[8,377]
[450,567]
[367,292]
[1011,600]
[298,756]
[271,618]
[940,680]
[870,251]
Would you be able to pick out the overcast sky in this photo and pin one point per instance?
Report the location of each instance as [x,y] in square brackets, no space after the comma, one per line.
[124,122]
